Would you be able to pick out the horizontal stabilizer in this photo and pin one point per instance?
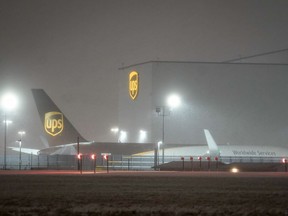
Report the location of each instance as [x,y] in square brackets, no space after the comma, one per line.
[25,150]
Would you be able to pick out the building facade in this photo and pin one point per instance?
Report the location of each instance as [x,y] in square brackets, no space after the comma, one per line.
[239,103]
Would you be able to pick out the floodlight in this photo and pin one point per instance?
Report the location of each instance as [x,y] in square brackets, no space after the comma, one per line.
[123,136]
[21,133]
[9,101]
[114,130]
[7,122]
[142,136]
[173,101]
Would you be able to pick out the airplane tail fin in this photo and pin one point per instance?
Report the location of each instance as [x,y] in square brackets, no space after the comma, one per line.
[58,129]
[213,148]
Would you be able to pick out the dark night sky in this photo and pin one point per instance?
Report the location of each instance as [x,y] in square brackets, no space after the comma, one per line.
[73,49]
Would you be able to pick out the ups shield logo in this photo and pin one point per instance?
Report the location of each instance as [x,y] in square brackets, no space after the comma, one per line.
[133,84]
[54,123]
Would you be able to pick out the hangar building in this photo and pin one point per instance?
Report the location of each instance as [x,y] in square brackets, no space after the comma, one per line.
[244,101]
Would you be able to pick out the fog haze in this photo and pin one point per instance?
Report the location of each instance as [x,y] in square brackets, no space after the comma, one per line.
[73,49]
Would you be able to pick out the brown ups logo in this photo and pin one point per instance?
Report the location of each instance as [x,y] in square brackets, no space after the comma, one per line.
[133,84]
[53,123]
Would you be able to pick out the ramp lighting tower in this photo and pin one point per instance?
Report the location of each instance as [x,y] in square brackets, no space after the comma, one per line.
[8,102]
[156,159]
[21,133]
[173,101]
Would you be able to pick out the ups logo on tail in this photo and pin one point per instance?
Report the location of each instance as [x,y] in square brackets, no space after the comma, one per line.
[133,84]
[54,123]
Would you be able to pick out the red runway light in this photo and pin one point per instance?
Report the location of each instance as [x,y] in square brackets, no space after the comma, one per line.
[93,156]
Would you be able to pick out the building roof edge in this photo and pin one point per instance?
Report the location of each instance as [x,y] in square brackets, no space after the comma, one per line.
[201,62]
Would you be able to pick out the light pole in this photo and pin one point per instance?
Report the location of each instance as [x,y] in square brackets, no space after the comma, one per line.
[173,101]
[8,102]
[6,124]
[21,133]
[162,111]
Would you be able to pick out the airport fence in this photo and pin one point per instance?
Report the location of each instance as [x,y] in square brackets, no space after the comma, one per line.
[71,162]
[124,162]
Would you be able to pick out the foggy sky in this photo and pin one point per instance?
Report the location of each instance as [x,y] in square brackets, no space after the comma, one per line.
[73,49]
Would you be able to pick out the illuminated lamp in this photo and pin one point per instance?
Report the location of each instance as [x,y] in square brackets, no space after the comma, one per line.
[173,101]
[234,170]
[9,102]
[142,136]
[79,156]
[93,156]
[114,130]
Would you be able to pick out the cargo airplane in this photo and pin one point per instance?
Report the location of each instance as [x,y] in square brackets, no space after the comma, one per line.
[63,138]
[229,153]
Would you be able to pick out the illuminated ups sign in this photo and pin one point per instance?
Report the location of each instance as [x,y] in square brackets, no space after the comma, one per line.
[133,84]
[54,123]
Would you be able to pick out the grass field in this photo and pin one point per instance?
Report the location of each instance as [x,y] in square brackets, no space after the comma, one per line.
[168,193]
